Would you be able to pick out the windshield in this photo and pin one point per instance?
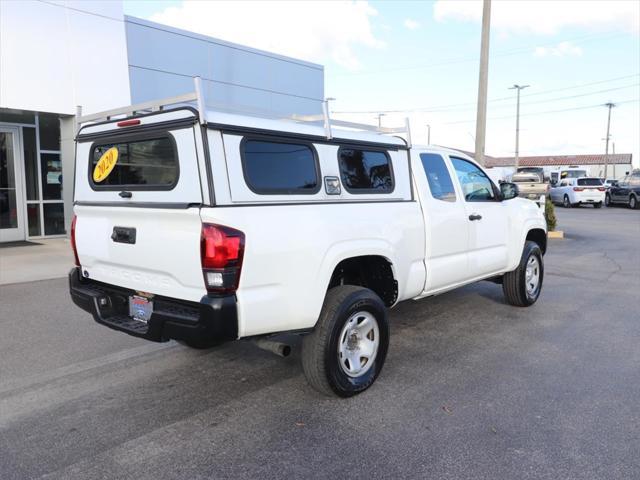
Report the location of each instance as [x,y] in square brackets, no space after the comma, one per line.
[593,182]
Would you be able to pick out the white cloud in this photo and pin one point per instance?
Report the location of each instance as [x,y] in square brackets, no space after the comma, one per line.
[411,24]
[545,18]
[563,49]
[311,30]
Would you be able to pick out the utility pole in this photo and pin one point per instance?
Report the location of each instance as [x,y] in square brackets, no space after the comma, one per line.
[518,88]
[483,80]
[606,148]
[428,134]
[380,115]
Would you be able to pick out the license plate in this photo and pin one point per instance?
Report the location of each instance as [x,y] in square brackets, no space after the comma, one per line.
[140,308]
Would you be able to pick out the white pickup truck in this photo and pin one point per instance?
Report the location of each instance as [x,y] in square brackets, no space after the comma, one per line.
[206,227]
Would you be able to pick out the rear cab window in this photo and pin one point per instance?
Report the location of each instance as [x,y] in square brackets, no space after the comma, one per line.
[440,183]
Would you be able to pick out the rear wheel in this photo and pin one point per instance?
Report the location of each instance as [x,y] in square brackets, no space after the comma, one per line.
[345,353]
[597,205]
[522,286]
[633,202]
[565,202]
[607,200]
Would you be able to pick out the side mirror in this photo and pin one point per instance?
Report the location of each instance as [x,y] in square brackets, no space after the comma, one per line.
[509,190]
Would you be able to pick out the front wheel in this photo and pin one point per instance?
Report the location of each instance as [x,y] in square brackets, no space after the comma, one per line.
[345,353]
[607,200]
[633,202]
[522,286]
[565,202]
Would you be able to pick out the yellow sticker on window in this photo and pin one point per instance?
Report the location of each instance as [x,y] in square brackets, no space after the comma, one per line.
[105,165]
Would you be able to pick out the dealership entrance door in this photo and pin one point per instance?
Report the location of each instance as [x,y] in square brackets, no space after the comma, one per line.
[12,221]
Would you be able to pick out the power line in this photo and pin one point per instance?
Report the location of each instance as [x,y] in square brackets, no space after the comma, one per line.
[532,114]
[444,108]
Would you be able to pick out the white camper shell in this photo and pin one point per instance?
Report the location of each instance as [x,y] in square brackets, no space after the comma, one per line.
[205,226]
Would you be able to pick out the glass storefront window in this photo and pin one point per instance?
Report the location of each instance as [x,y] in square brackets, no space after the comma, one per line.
[49,131]
[54,219]
[17,116]
[30,163]
[33,219]
[51,169]
[8,205]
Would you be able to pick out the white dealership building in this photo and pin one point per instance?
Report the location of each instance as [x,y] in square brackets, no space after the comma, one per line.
[58,55]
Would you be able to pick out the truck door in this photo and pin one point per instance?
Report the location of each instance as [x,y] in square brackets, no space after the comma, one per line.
[446,225]
[487,219]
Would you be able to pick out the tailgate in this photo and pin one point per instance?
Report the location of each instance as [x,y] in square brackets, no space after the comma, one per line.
[164,260]
[137,199]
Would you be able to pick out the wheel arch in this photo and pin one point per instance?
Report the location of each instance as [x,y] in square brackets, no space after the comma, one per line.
[375,272]
[539,236]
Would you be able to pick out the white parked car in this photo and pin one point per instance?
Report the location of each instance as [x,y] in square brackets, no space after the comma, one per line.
[207,227]
[574,192]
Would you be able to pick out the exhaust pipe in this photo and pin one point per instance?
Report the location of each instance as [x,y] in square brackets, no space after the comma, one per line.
[279,348]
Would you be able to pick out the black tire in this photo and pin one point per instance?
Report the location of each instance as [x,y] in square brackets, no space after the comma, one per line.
[607,200]
[565,202]
[633,202]
[597,205]
[320,349]
[514,284]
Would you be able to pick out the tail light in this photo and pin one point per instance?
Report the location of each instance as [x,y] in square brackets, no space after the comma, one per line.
[221,254]
[73,240]
[578,189]
[602,189]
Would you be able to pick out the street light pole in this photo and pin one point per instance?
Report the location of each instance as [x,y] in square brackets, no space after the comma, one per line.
[380,115]
[606,148]
[428,134]
[483,80]
[518,88]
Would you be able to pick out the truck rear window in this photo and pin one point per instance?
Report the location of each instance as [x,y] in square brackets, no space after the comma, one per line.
[140,165]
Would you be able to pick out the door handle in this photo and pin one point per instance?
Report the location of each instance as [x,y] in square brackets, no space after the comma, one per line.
[475,216]
[124,235]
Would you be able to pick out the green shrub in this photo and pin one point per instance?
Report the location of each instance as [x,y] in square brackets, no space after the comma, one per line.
[550,214]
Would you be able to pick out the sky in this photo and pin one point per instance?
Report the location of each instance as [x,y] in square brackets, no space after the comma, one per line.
[420,59]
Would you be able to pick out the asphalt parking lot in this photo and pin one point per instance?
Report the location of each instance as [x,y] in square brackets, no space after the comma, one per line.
[472,388]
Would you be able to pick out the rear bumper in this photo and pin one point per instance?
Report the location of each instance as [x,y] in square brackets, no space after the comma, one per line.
[208,322]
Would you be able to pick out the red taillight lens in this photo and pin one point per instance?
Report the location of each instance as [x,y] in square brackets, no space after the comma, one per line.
[128,123]
[73,240]
[602,189]
[578,189]
[221,253]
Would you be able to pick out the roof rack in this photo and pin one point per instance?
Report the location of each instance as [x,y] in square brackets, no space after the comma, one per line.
[148,107]
[197,97]
[328,123]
